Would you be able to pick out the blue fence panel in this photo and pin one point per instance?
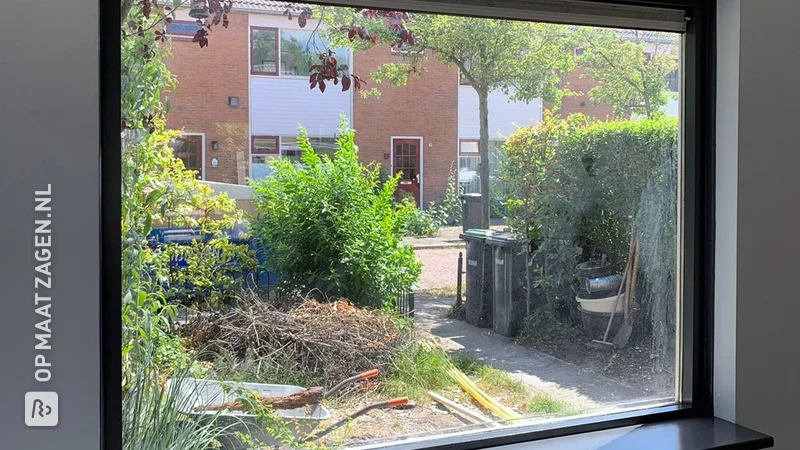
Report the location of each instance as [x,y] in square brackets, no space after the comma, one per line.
[258,278]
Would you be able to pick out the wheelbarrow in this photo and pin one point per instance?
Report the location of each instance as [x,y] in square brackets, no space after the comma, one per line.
[209,399]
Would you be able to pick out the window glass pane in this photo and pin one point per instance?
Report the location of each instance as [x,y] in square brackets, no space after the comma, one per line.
[265,145]
[301,49]
[468,180]
[469,147]
[264,47]
[290,147]
[260,166]
[182,28]
[188,148]
[572,180]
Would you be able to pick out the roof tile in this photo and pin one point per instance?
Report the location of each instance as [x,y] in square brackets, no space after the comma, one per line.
[267,5]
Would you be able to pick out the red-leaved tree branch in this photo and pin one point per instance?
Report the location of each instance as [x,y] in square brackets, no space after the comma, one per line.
[329,70]
[216,10]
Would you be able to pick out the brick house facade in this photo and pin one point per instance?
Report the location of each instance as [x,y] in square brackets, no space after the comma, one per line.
[580,103]
[426,109]
[426,128]
[200,103]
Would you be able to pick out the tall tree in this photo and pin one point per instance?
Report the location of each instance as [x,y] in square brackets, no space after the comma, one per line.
[630,69]
[522,59]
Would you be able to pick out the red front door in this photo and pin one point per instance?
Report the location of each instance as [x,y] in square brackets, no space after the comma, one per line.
[406,162]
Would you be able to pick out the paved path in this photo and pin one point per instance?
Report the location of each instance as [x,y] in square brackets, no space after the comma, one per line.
[439,267]
[447,237]
[587,390]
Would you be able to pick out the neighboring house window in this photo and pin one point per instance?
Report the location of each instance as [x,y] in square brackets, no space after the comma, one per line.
[263,150]
[287,52]
[672,81]
[189,149]
[469,161]
[264,51]
[265,145]
[468,169]
[182,28]
[299,52]
[266,149]
[290,147]
[469,146]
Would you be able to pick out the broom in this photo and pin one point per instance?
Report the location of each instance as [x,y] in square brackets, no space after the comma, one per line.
[605,345]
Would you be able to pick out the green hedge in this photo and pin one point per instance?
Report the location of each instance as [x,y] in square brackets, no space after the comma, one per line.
[576,186]
[620,159]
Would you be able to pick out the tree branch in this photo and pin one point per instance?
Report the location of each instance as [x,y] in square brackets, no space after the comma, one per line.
[613,66]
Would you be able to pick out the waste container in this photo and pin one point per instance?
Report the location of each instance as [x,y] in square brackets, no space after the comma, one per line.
[479,278]
[471,212]
[509,283]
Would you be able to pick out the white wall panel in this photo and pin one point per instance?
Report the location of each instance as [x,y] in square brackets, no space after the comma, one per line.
[504,115]
[279,104]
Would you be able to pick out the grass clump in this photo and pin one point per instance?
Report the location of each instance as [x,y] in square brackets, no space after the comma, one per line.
[153,416]
[541,404]
[516,394]
[458,311]
[441,292]
[420,369]
[416,370]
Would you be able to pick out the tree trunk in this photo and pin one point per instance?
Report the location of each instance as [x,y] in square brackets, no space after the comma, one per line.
[483,146]
[528,278]
[647,108]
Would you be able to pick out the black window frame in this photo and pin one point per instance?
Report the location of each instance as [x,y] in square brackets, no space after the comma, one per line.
[698,175]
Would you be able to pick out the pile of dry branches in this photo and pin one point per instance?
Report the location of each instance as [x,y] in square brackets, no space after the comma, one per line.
[322,342]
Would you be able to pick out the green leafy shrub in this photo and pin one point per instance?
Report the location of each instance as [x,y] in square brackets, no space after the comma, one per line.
[428,222]
[449,210]
[575,187]
[173,197]
[327,226]
[418,222]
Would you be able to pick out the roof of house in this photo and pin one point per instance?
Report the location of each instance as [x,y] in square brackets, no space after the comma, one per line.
[267,6]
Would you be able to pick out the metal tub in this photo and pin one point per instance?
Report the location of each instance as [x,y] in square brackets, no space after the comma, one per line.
[196,392]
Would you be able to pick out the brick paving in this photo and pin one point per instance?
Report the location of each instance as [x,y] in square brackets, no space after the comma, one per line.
[439,267]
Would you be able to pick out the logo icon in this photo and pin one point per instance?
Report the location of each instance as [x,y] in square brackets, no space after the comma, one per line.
[41,409]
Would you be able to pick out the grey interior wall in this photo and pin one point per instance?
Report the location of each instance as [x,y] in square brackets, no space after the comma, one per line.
[49,109]
[728,15]
[768,304]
